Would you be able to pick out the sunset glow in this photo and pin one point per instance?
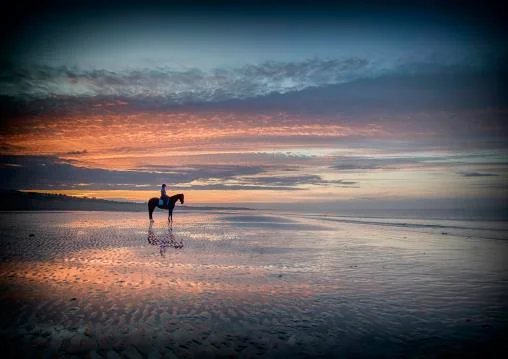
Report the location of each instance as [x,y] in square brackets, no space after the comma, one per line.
[411,113]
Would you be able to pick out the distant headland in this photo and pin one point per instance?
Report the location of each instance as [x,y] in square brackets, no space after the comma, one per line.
[13,200]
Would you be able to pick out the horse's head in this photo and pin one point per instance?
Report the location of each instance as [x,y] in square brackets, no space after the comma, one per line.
[181,198]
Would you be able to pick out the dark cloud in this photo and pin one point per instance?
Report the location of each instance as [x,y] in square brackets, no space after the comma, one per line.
[238,187]
[297,180]
[46,172]
[367,163]
[478,174]
[5,148]
[76,152]
[204,172]
[283,180]
[486,165]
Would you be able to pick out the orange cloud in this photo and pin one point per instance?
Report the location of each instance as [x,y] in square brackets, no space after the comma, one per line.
[107,138]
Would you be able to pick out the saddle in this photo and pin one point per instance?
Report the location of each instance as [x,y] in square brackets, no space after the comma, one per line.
[161,202]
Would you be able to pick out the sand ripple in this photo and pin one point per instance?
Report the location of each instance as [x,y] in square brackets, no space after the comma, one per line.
[106,285]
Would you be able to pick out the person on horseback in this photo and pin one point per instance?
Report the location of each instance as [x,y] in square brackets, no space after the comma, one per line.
[164,196]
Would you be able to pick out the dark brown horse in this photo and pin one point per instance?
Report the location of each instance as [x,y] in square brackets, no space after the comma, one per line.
[169,205]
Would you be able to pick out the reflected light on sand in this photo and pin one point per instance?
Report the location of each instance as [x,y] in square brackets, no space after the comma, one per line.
[95,281]
[122,273]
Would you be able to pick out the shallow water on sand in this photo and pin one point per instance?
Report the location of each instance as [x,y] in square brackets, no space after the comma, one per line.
[249,284]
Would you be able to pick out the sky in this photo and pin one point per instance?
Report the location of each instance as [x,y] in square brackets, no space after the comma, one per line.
[266,105]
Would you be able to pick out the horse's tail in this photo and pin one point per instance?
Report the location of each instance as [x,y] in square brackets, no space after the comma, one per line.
[151,207]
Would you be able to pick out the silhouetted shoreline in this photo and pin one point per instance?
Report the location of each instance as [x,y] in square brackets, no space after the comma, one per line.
[35,201]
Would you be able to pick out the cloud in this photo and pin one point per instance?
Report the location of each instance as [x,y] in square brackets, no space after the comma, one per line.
[178,86]
[444,160]
[43,172]
[371,163]
[416,102]
[47,172]
[478,174]
[297,180]
[389,93]
[8,147]
[283,180]
[347,83]
[216,186]
[76,152]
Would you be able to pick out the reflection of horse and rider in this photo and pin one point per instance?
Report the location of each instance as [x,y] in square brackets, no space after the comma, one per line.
[164,202]
[164,241]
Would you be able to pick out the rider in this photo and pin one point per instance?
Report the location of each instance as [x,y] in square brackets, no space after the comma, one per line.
[164,196]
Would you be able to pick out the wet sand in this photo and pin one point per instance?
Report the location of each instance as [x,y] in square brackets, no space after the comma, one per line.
[250,284]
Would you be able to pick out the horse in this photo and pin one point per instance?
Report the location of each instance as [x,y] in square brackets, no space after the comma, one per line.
[169,205]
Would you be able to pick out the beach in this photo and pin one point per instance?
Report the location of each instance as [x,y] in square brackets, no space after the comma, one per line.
[253,284]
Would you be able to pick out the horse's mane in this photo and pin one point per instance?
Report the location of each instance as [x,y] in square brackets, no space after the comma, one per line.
[176,197]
